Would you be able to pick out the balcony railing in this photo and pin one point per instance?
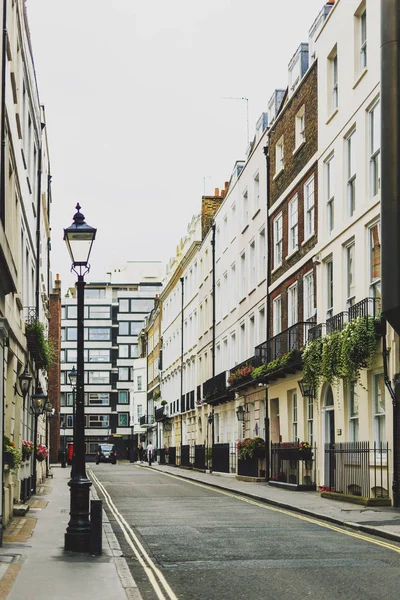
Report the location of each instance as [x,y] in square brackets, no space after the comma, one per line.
[316,332]
[30,314]
[215,388]
[240,380]
[293,338]
[337,322]
[252,362]
[146,421]
[369,307]
[161,413]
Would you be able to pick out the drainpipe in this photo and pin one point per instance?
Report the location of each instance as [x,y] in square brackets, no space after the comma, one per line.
[268,316]
[390,196]
[385,354]
[182,304]
[49,239]
[3,118]
[38,213]
[213,325]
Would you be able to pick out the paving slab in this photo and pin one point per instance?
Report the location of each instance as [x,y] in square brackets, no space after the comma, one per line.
[37,566]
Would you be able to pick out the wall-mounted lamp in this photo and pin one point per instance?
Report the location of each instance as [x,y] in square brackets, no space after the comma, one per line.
[240,413]
[307,389]
[25,380]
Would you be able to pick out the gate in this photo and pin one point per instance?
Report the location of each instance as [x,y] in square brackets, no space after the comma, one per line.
[199,457]
[172,455]
[185,456]
[220,458]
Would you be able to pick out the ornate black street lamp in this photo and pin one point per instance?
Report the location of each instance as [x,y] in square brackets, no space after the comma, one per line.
[37,408]
[79,238]
[73,376]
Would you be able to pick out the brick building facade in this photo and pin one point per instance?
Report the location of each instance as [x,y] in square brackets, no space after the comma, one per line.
[293,204]
[54,370]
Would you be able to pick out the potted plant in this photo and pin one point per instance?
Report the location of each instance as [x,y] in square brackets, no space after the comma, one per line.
[240,374]
[12,456]
[41,452]
[250,447]
[164,402]
[27,449]
[38,345]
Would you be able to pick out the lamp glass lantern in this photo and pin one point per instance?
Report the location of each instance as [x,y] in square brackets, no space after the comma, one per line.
[79,238]
[73,377]
[306,389]
[240,414]
[25,380]
[39,401]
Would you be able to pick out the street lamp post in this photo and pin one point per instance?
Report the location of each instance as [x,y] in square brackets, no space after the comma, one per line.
[79,238]
[73,375]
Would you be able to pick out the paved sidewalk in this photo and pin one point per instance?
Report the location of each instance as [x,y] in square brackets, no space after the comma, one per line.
[380,520]
[39,568]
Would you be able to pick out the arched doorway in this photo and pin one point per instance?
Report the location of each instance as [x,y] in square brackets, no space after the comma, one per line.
[329,438]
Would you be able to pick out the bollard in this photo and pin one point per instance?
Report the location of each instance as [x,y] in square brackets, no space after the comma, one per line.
[96,527]
[63,462]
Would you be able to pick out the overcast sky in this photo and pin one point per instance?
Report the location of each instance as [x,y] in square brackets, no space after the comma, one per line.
[136,122]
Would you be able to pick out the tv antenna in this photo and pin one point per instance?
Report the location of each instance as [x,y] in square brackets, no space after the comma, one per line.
[247,110]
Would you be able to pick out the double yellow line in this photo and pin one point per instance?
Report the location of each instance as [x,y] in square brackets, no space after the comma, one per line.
[154,575]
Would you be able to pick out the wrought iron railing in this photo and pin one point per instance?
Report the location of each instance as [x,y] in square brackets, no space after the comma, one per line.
[293,464]
[369,307]
[161,413]
[293,338]
[252,362]
[146,420]
[30,314]
[337,322]
[215,387]
[316,332]
[357,469]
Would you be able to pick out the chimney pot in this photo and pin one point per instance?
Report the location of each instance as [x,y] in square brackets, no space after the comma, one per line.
[216,192]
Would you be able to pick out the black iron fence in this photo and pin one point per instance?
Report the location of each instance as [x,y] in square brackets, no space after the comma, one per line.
[357,469]
[293,464]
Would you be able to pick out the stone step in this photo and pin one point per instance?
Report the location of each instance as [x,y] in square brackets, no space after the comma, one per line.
[20,510]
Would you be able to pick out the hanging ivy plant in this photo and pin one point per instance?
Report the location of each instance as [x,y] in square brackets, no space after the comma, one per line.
[312,363]
[331,357]
[341,354]
[358,347]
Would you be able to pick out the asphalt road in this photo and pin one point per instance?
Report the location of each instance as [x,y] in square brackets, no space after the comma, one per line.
[208,545]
